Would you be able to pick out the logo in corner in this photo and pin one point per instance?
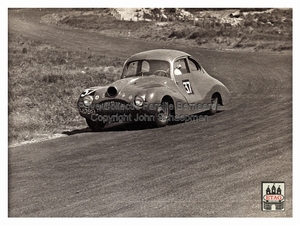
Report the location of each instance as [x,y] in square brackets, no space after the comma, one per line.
[273,196]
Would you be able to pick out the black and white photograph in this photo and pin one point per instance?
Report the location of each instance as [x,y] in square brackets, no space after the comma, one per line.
[150,111]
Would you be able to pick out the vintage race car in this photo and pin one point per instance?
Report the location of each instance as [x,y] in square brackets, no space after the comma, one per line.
[156,86]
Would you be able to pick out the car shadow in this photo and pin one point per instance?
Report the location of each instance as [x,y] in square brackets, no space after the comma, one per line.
[77,131]
[117,127]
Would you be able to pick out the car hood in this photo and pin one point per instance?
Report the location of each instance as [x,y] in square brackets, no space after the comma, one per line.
[140,82]
[129,87]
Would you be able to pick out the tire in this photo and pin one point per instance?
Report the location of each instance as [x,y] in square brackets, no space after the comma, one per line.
[214,106]
[95,126]
[162,117]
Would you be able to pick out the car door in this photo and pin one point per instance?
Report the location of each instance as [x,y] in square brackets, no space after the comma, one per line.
[185,81]
[202,80]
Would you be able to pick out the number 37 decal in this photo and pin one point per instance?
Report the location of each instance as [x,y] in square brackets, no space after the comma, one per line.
[187,86]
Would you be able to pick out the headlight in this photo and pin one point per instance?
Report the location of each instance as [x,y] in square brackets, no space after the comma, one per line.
[139,101]
[87,100]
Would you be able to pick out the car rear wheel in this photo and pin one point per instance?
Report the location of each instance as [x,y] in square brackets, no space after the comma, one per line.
[163,114]
[214,105]
[95,125]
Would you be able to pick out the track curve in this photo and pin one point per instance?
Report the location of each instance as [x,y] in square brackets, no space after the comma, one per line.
[194,169]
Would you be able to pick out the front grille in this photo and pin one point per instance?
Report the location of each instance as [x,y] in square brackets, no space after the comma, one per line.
[115,107]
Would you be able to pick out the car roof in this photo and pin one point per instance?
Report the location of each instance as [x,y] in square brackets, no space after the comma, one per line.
[158,54]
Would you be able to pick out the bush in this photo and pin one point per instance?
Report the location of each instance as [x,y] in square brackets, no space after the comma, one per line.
[262,19]
[177,33]
[248,22]
[194,35]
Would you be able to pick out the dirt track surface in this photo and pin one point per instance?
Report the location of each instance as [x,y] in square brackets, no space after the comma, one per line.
[194,169]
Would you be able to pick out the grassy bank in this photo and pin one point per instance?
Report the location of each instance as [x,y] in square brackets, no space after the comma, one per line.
[44,83]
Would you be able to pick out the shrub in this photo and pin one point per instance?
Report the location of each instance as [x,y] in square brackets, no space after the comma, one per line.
[177,33]
[248,22]
[194,35]
[262,19]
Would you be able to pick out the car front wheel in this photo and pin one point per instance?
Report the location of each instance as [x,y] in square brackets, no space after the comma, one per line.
[163,114]
[95,125]
[214,106]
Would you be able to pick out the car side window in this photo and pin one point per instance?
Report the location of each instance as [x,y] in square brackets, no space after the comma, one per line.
[180,67]
[194,66]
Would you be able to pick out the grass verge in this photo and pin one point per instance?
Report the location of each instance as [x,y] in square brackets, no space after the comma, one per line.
[43,85]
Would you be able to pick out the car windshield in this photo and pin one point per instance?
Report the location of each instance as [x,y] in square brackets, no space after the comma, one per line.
[146,68]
